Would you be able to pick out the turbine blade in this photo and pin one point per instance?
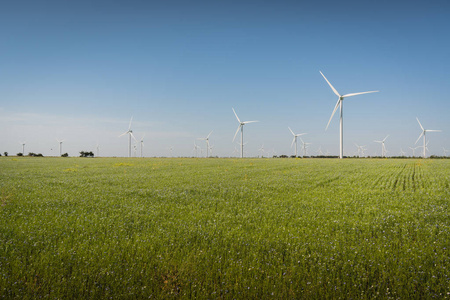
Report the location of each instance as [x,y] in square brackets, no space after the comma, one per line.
[246,122]
[239,127]
[300,134]
[132,135]
[355,94]
[123,134]
[236,115]
[291,132]
[335,108]
[334,90]
[129,127]
[209,134]
[385,138]
[419,137]
[419,124]
[432,130]
[293,140]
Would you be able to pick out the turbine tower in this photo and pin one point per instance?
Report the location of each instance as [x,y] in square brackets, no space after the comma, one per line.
[241,127]
[340,103]
[295,139]
[424,131]
[130,134]
[383,148]
[60,146]
[207,142]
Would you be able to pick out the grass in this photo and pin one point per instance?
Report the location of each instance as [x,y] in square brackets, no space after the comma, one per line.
[224,228]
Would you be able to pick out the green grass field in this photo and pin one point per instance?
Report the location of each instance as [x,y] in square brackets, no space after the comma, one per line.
[224,228]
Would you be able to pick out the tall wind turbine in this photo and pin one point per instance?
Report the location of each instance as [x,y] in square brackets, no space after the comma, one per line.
[340,103]
[60,146]
[383,148]
[424,131]
[295,139]
[445,151]
[130,134]
[241,127]
[207,142]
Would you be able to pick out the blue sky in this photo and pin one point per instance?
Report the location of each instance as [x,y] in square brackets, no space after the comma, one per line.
[79,70]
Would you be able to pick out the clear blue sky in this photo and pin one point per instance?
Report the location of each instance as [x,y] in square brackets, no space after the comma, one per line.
[78,71]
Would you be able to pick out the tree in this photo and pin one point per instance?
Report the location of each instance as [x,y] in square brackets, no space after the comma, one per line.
[86,154]
[5,153]
[20,154]
[65,155]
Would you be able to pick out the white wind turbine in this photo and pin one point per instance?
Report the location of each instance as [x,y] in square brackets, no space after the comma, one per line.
[207,142]
[295,139]
[383,148]
[97,147]
[340,103]
[60,146]
[414,150]
[402,153]
[261,150]
[360,150]
[23,148]
[304,147]
[424,131]
[445,151]
[130,134]
[195,149]
[142,145]
[241,127]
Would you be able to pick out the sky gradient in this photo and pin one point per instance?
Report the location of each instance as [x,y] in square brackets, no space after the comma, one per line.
[79,71]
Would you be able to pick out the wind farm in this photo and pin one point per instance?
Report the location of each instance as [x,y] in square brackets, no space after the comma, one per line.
[124,175]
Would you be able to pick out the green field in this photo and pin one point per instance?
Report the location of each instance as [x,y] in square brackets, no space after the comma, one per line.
[224,228]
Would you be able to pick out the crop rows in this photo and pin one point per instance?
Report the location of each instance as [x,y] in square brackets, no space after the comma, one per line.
[224,228]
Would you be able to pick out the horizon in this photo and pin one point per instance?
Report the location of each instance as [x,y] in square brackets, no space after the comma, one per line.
[79,72]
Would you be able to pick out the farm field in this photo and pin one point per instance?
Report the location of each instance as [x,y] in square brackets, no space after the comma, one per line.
[224,228]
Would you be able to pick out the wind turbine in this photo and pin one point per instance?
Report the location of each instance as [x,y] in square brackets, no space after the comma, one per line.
[402,153]
[340,103]
[414,150]
[360,150]
[207,142]
[60,146]
[97,149]
[23,148]
[142,145]
[445,151]
[304,147]
[195,149]
[241,127]
[424,131]
[383,148]
[261,150]
[295,139]
[130,134]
